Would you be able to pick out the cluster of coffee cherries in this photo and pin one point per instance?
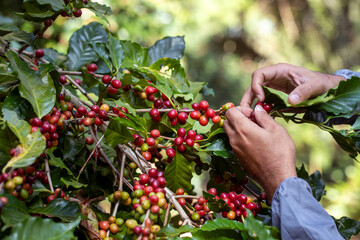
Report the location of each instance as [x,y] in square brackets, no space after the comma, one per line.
[189,138]
[114,225]
[76,12]
[229,180]
[148,194]
[19,182]
[238,203]
[267,107]
[148,147]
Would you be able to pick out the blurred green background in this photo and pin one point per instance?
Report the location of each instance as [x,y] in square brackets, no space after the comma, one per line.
[227,40]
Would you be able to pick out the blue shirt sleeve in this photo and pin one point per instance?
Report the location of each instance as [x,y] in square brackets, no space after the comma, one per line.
[346,73]
[298,215]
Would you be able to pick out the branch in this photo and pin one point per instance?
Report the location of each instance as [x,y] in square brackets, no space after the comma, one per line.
[167,215]
[47,169]
[80,89]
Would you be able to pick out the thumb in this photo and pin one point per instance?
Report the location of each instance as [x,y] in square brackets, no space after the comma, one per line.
[263,118]
[301,93]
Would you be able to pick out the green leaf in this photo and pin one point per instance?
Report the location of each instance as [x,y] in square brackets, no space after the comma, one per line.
[35,228]
[116,51]
[316,183]
[169,47]
[216,205]
[39,92]
[117,133]
[219,148]
[356,125]
[73,183]
[14,212]
[57,162]
[21,36]
[348,227]
[217,235]
[13,102]
[102,52]
[257,229]
[135,55]
[72,146]
[178,174]
[31,145]
[171,231]
[63,209]
[56,5]
[8,140]
[40,188]
[222,223]
[100,10]
[280,99]
[346,97]
[216,132]
[7,83]
[202,129]
[80,53]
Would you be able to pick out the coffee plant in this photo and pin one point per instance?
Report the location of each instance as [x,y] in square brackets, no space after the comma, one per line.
[102,143]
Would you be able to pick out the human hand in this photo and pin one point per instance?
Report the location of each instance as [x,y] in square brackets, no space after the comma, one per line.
[300,83]
[265,150]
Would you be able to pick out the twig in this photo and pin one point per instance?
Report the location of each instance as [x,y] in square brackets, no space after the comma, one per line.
[80,89]
[39,34]
[47,169]
[186,196]
[75,73]
[167,215]
[251,191]
[92,152]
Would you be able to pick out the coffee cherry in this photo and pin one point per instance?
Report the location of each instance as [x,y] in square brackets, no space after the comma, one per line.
[182,201]
[180,191]
[114,228]
[85,2]
[39,53]
[189,142]
[155,133]
[150,141]
[87,121]
[146,155]
[154,113]
[62,79]
[212,191]
[104,225]
[191,134]
[104,107]
[195,216]
[116,83]
[203,120]
[172,114]
[195,115]
[231,215]
[152,173]
[210,113]
[137,230]
[106,79]
[89,140]
[204,105]
[251,206]
[77,13]
[78,81]
[138,141]
[216,119]
[182,117]
[181,132]
[196,106]
[267,107]
[144,179]
[92,67]
[178,141]
[242,198]
[111,90]
[170,152]
[81,111]
[50,198]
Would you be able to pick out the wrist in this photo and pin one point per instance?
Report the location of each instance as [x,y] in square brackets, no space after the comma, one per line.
[273,182]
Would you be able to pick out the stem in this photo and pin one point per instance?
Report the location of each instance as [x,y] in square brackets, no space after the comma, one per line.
[75,73]
[92,152]
[122,172]
[251,191]
[39,34]
[102,93]
[186,196]
[167,215]
[47,169]
[80,89]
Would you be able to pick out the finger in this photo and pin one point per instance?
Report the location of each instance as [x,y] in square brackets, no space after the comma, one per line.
[228,127]
[303,92]
[259,77]
[263,118]
[247,99]
[238,119]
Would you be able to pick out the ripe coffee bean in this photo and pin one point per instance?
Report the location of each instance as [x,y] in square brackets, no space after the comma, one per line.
[172,114]
[39,53]
[62,79]
[116,83]
[77,13]
[196,106]
[106,79]
[92,67]
[204,105]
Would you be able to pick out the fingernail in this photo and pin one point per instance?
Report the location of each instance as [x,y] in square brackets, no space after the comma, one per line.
[259,108]
[294,98]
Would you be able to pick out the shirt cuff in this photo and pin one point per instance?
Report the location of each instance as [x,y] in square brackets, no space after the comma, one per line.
[346,73]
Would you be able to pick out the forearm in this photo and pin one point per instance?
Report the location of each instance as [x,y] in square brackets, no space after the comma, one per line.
[347,74]
[299,215]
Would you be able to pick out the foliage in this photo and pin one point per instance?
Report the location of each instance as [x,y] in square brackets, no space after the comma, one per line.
[88,166]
